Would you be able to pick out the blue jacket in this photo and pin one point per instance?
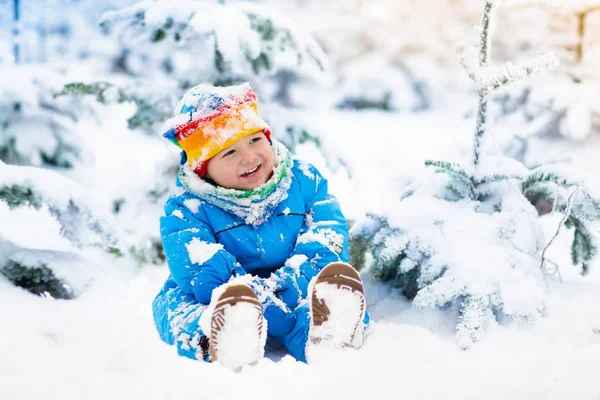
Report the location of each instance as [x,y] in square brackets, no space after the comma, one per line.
[307,223]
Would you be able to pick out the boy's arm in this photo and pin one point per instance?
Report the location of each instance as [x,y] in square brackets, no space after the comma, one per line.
[197,263]
[326,237]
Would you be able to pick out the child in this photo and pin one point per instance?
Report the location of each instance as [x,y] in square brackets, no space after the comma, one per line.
[247,230]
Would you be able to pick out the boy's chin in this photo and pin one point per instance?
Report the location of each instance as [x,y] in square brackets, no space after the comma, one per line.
[252,185]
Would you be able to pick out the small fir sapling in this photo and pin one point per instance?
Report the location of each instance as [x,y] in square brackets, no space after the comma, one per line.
[467,238]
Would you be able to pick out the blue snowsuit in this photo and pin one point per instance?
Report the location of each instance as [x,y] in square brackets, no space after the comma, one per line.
[308,224]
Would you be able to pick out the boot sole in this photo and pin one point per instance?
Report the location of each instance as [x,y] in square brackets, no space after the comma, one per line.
[344,277]
[232,296]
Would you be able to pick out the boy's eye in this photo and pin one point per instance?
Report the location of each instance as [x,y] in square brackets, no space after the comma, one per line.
[256,139]
[230,152]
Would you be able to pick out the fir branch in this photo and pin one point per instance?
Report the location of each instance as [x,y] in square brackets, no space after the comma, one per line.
[452,168]
[148,112]
[485,47]
[583,248]
[441,292]
[99,89]
[358,249]
[460,194]
[511,73]
[473,316]
[38,279]
[480,127]
[496,178]
[538,176]
[539,190]
[457,172]
[20,195]
[466,55]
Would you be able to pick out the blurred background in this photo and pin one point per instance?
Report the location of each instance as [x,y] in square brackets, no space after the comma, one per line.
[85,87]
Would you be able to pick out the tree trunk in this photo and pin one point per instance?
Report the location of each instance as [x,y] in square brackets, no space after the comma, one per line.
[16,32]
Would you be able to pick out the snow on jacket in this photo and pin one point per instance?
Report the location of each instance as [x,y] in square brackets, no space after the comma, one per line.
[288,234]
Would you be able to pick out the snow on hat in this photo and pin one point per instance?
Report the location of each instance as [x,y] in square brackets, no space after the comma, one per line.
[209,119]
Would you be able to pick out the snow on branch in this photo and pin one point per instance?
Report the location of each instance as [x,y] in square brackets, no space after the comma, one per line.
[510,73]
[488,80]
[154,102]
[81,222]
[468,59]
[476,61]
[245,38]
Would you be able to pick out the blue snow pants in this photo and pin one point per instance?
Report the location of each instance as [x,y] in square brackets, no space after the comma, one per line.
[177,316]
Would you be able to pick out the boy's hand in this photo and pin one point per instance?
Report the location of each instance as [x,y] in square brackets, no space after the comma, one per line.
[290,286]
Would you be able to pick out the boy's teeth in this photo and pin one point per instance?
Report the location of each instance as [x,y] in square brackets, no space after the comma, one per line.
[250,171]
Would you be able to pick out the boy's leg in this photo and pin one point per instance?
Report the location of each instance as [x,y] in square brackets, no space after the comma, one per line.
[334,313]
[234,311]
[177,315]
[286,325]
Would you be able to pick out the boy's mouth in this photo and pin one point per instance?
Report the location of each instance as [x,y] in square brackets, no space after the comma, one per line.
[251,172]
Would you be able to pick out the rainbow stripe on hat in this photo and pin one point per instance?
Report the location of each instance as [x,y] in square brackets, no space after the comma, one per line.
[209,119]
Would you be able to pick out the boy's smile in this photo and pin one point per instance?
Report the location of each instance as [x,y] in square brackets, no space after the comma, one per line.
[245,165]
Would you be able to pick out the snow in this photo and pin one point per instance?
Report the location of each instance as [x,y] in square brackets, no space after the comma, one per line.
[305,168]
[192,204]
[240,342]
[201,251]
[178,214]
[103,344]
[344,323]
[296,261]
[327,237]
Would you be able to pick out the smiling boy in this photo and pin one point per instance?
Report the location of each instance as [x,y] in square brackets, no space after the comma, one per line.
[254,241]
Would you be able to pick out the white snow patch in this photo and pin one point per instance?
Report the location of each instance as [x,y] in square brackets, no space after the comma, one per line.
[239,340]
[327,237]
[321,202]
[344,325]
[192,204]
[305,168]
[201,251]
[296,261]
[178,214]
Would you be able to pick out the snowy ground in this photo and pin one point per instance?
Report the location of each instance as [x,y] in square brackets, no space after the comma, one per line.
[104,345]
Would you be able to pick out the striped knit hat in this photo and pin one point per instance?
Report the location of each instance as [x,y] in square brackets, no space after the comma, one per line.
[209,119]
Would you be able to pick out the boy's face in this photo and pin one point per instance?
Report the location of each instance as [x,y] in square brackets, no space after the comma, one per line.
[246,164]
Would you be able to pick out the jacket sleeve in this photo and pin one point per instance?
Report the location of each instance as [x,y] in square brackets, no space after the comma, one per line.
[198,264]
[325,238]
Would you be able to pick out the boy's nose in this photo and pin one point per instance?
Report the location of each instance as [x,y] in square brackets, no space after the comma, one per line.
[247,157]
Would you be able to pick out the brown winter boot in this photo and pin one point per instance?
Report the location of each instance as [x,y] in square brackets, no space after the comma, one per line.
[237,337]
[338,306]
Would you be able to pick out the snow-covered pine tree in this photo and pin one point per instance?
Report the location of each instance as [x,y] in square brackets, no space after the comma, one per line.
[50,265]
[206,41]
[467,238]
[34,128]
[153,102]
